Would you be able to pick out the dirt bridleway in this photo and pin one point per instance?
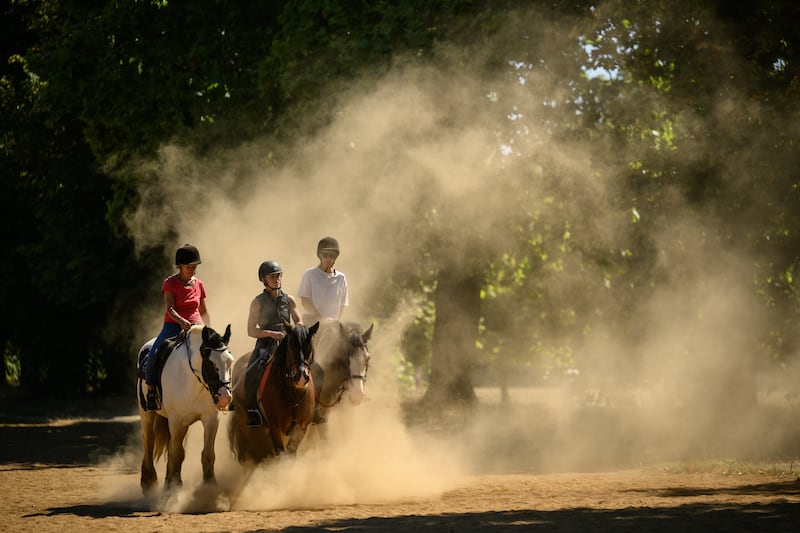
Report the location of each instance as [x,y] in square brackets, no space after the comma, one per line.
[82,475]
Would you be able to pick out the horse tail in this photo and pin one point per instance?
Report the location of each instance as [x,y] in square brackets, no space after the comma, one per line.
[161,430]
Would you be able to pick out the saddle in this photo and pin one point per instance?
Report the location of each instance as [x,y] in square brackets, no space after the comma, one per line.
[254,375]
[161,356]
[262,383]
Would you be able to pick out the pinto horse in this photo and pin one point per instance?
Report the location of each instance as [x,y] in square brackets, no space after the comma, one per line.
[196,386]
[287,401]
[344,357]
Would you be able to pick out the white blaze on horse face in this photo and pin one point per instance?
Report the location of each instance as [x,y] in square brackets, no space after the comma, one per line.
[357,368]
[223,362]
[303,378]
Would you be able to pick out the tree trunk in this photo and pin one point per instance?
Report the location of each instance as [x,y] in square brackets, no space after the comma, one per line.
[454,353]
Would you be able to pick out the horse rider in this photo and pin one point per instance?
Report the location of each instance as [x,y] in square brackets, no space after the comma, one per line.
[323,289]
[265,322]
[323,295]
[185,303]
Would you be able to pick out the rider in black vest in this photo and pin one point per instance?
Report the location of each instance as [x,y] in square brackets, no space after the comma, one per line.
[268,312]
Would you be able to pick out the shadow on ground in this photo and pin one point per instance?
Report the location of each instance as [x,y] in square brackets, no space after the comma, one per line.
[41,434]
[767,518]
[684,518]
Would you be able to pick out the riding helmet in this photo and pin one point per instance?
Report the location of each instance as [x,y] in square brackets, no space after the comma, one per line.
[187,255]
[328,243]
[268,267]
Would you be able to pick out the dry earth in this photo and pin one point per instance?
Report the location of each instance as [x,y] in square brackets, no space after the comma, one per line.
[82,475]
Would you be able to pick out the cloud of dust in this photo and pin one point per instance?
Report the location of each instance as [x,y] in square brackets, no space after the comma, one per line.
[367,456]
[424,139]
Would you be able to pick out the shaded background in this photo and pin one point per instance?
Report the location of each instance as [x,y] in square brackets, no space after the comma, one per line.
[595,203]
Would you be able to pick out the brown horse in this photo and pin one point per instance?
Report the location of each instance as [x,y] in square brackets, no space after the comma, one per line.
[287,402]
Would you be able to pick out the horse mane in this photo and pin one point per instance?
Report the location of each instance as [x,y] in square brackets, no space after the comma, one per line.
[354,330]
[348,334]
[196,334]
[282,350]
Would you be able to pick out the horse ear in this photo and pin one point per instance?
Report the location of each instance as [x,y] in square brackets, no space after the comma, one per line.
[227,336]
[287,325]
[207,331]
[367,334]
[313,329]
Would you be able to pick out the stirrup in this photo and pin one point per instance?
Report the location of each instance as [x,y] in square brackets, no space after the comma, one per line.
[254,419]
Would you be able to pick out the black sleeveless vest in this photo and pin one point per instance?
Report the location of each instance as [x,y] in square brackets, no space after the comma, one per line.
[273,311]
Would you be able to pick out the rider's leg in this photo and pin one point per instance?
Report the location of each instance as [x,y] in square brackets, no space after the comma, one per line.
[170,329]
[252,378]
[318,375]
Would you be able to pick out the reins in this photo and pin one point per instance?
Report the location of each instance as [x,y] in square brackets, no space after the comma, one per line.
[201,380]
[343,386]
[286,374]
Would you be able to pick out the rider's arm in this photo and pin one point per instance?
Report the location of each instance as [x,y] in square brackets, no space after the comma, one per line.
[252,324]
[309,306]
[296,318]
[169,301]
[204,313]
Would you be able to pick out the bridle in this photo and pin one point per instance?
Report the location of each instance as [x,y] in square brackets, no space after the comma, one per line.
[209,376]
[362,376]
[301,340]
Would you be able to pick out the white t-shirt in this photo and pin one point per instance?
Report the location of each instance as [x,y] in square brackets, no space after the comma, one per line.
[328,292]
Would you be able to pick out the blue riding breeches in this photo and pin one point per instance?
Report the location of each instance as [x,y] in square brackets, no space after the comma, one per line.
[170,329]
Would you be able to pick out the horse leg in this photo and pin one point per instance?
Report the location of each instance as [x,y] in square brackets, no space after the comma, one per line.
[296,436]
[322,429]
[149,476]
[243,440]
[277,439]
[210,426]
[175,453]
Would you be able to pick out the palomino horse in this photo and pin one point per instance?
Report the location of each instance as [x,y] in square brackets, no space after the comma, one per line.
[343,355]
[287,401]
[196,386]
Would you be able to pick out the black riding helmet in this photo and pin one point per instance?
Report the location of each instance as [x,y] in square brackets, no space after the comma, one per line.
[328,243]
[187,255]
[268,267]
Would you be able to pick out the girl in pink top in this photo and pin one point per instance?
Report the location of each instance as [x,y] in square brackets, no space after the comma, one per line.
[185,303]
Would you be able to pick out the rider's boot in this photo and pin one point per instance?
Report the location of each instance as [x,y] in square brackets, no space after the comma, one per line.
[152,403]
[252,378]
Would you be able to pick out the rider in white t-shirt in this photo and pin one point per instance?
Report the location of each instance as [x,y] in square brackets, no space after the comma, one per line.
[323,294]
[323,289]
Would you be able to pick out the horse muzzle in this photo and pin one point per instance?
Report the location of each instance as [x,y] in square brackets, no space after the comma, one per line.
[223,397]
[302,379]
[355,393]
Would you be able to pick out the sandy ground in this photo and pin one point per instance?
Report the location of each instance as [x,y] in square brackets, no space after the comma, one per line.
[82,475]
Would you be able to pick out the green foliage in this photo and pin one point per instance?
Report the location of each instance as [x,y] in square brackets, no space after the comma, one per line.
[11,366]
[88,86]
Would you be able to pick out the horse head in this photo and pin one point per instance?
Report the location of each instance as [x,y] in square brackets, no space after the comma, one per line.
[357,361]
[347,355]
[216,366]
[299,354]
